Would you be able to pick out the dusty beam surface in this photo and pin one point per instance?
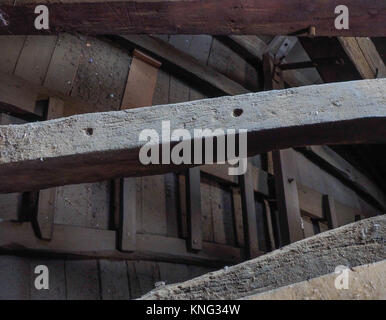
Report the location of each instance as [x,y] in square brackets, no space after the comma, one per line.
[273,17]
[351,245]
[101,146]
[367,282]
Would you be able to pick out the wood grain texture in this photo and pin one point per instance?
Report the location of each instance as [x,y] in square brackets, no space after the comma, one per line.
[105,145]
[352,245]
[195,17]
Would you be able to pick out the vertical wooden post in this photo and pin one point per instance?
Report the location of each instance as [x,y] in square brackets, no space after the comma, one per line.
[286,189]
[139,92]
[329,211]
[249,214]
[193,200]
[43,222]
[127,218]
[287,197]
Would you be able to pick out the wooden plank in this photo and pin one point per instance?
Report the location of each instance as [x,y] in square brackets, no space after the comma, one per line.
[222,214]
[167,54]
[330,212]
[57,280]
[207,212]
[287,197]
[94,140]
[15,96]
[173,273]
[182,216]
[82,281]
[238,215]
[194,17]
[345,172]
[141,82]
[311,205]
[249,215]
[194,214]
[86,205]
[364,56]
[87,242]
[310,202]
[14,278]
[35,57]
[271,234]
[114,280]
[142,275]
[308,228]
[153,212]
[64,63]
[102,74]
[342,246]
[10,50]
[128,216]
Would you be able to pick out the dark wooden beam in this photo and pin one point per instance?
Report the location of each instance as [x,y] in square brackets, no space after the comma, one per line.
[100,146]
[248,17]
[73,241]
[193,203]
[249,215]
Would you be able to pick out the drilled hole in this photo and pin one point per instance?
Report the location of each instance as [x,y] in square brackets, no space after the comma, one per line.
[237,112]
[89,131]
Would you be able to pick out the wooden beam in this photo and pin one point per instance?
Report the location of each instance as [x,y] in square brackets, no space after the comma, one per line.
[168,54]
[96,243]
[352,245]
[249,215]
[99,146]
[330,211]
[193,203]
[287,197]
[127,231]
[195,17]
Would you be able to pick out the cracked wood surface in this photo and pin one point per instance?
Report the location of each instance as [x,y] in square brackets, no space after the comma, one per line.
[270,17]
[352,245]
[101,146]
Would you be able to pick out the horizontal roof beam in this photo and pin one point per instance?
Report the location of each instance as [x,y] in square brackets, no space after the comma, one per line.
[101,146]
[265,17]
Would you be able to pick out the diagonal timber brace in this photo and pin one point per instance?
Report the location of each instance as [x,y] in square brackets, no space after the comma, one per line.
[220,17]
[100,146]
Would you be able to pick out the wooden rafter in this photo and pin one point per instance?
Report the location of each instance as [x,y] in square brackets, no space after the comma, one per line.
[99,146]
[271,17]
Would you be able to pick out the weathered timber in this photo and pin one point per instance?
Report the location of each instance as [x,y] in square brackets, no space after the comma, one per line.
[360,287]
[196,17]
[99,146]
[171,56]
[73,241]
[352,245]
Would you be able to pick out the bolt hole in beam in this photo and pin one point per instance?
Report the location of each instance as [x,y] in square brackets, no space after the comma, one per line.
[237,112]
[89,131]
